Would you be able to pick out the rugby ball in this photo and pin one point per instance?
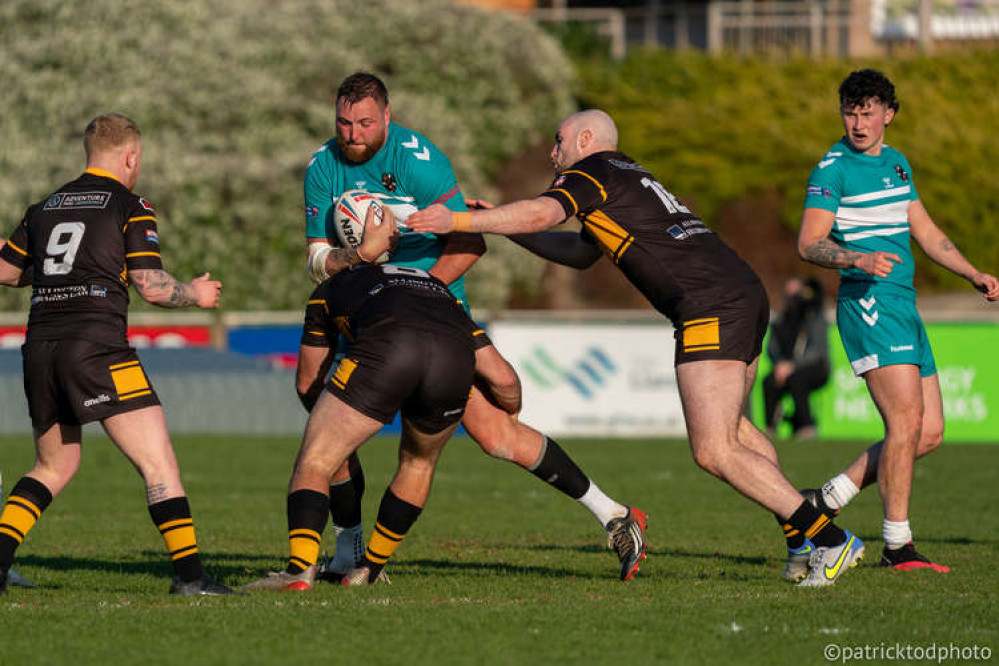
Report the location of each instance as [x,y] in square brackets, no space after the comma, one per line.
[348,218]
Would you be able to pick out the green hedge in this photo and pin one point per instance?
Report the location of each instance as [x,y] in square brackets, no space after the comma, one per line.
[233,96]
[720,130]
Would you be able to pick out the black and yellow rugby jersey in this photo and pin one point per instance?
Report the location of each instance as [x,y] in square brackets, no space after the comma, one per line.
[80,242]
[367,297]
[677,263]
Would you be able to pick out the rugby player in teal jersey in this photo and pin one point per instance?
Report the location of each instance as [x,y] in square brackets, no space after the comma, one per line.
[371,153]
[861,210]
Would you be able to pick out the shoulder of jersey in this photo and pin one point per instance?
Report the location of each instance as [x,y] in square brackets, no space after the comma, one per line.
[832,156]
[328,150]
[894,153]
[412,145]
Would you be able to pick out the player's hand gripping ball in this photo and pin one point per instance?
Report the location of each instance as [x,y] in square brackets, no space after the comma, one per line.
[348,218]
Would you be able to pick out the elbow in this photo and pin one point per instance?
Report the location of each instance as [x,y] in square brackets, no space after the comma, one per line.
[304,385]
[803,249]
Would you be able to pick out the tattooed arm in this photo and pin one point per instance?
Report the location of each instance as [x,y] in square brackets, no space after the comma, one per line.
[940,249]
[160,288]
[815,246]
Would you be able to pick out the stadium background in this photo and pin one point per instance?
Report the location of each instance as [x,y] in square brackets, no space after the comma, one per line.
[234,95]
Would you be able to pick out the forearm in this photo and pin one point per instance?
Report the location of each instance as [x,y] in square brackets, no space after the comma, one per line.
[341,258]
[942,250]
[162,289]
[520,217]
[828,254]
[460,254]
[310,376]
[562,247]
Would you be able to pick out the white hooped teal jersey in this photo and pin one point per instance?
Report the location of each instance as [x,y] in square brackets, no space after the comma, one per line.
[408,172]
[870,196]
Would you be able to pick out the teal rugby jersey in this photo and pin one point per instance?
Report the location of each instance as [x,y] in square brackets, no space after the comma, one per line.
[870,196]
[409,171]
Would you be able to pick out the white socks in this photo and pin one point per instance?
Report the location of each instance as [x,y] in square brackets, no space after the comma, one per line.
[600,505]
[838,491]
[349,548]
[896,534]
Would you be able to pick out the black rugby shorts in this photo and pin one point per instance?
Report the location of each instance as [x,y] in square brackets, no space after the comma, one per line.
[428,377]
[729,325]
[72,382]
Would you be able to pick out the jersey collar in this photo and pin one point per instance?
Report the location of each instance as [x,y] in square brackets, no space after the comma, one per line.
[101,172]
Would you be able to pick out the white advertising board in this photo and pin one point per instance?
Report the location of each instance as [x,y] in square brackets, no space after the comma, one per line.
[594,380]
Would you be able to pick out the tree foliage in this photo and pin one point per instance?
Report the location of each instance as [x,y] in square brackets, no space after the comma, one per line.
[233,96]
[720,130]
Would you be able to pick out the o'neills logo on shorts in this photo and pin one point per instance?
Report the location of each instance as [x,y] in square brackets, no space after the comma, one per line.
[103,397]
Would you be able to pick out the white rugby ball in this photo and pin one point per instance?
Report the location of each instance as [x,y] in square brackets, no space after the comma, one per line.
[348,218]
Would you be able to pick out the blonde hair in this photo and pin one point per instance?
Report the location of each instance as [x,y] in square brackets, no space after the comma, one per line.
[109,131]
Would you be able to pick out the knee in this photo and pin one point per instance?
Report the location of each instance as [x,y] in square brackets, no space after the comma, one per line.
[905,427]
[707,458]
[494,431]
[498,446]
[929,441]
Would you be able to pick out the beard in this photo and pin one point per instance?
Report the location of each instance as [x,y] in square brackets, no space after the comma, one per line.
[359,152]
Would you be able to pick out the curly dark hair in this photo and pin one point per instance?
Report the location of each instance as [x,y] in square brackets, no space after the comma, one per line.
[867,84]
[360,85]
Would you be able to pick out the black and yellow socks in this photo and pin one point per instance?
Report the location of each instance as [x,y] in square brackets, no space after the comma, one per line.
[816,526]
[172,518]
[307,511]
[395,517]
[24,506]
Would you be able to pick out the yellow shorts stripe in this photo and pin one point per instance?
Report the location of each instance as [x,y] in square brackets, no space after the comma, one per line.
[129,380]
[343,372]
[701,334]
[695,322]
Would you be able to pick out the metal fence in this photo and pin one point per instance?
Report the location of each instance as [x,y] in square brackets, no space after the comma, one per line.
[782,28]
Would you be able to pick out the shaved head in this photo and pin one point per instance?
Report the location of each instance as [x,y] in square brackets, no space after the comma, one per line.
[602,125]
[582,134]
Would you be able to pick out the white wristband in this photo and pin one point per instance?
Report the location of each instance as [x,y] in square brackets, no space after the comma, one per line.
[317,261]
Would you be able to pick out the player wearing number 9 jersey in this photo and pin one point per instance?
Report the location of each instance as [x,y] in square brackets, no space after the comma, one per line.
[717,304]
[81,247]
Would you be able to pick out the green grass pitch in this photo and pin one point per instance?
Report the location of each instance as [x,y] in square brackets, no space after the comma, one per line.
[499,569]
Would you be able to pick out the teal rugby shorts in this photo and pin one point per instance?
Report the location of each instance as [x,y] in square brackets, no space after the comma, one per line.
[883,329]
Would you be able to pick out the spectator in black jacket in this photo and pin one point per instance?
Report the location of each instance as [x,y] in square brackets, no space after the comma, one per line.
[799,350]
